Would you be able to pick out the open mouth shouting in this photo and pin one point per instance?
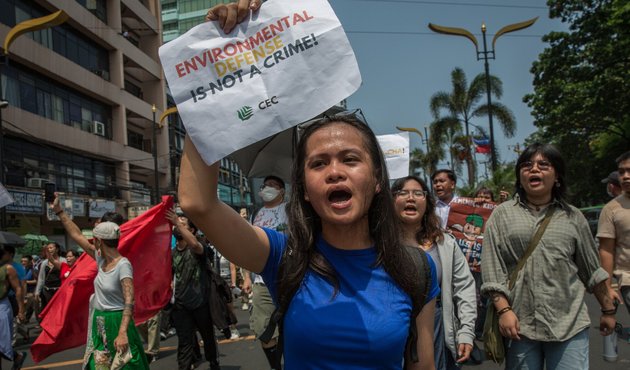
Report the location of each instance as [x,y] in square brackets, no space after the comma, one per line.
[535,181]
[340,197]
[410,209]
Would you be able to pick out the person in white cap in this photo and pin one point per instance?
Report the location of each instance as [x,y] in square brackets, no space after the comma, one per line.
[113,304]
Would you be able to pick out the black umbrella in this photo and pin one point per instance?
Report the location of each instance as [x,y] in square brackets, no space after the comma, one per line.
[11,239]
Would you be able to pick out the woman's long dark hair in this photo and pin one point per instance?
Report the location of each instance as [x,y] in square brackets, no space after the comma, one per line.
[304,224]
[550,153]
[431,229]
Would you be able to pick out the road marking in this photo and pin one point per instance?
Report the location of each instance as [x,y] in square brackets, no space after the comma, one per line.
[168,348]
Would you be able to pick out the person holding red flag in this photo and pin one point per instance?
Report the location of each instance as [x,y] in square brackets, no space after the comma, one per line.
[113,299]
[145,242]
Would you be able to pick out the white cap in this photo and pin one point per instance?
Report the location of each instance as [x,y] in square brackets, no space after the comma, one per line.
[106,230]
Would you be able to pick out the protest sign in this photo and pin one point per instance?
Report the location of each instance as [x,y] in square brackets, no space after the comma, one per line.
[467,222]
[286,64]
[5,197]
[395,149]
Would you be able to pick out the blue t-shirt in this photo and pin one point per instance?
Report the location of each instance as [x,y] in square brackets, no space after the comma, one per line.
[365,326]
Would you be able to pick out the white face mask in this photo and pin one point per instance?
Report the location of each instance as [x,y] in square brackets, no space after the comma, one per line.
[269,193]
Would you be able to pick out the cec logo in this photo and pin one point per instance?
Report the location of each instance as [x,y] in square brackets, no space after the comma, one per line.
[268,103]
[245,113]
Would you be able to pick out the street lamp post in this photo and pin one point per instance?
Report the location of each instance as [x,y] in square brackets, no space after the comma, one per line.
[156,184]
[485,54]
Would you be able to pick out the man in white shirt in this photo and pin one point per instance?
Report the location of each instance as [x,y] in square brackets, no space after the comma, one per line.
[271,216]
[443,182]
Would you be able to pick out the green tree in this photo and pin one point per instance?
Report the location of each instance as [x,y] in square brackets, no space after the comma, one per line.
[459,107]
[581,99]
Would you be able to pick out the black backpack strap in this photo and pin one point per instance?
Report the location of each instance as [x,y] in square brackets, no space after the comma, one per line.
[274,321]
[420,259]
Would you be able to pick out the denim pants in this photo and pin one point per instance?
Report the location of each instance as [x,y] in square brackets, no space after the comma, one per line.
[527,354]
[443,357]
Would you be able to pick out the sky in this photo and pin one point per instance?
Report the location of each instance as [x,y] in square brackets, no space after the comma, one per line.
[403,63]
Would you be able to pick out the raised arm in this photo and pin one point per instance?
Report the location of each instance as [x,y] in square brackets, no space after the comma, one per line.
[72,229]
[237,240]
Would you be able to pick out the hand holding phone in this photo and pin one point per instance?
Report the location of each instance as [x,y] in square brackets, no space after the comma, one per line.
[49,192]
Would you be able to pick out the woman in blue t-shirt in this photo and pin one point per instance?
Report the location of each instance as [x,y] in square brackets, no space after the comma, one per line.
[341,276]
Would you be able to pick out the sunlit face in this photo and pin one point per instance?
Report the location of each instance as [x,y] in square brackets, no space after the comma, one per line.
[624,176]
[539,180]
[443,187]
[243,213]
[339,177]
[70,258]
[411,208]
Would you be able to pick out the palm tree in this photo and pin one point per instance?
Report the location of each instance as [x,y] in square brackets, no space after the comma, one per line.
[463,104]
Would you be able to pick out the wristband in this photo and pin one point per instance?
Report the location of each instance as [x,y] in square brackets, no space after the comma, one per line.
[504,310]
[611,311]
[58,213]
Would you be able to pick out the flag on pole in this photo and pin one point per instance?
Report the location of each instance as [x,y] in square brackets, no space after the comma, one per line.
[482,145]
[146,242]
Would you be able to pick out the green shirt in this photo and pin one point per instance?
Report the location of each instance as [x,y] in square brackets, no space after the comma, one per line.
[548,295]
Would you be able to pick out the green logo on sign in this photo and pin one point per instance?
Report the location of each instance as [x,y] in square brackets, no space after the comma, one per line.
[245,113]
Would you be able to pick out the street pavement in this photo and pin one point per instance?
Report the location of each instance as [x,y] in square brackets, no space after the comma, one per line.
[245,353]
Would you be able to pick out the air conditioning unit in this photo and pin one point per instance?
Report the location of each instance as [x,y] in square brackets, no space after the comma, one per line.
[98,128]
[36,182]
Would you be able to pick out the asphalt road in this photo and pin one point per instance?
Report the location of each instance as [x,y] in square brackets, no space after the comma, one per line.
[245,353]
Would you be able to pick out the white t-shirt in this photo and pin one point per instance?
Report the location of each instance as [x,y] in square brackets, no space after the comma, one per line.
[442,210]
[108,293]
[274,218]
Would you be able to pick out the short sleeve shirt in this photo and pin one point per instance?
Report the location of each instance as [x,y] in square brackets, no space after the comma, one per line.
[614,223]
[364,326]
[108,293]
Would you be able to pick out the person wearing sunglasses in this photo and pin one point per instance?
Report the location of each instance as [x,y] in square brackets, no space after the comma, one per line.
[542,313]
[344,283]
[455,308]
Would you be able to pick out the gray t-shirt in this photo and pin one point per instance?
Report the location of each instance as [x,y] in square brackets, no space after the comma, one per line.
[108,293]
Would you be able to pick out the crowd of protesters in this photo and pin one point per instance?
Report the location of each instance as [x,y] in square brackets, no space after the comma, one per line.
[346,271]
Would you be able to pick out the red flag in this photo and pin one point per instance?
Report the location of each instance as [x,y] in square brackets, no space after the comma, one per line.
[484,149]
[146,242]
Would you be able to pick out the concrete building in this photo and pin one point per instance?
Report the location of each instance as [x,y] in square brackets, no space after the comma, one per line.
[177,18]
[79,115]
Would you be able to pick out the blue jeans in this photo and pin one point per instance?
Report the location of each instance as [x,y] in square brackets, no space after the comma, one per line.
[443,357]
[527,354]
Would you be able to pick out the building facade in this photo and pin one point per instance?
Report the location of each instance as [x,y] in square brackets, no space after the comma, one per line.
[177,18]
[79,115]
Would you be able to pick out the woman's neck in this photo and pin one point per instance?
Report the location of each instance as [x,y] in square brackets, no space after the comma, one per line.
[348,236]
[540,201]
[110,254]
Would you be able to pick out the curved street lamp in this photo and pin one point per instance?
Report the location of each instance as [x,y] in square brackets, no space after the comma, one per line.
[485,55]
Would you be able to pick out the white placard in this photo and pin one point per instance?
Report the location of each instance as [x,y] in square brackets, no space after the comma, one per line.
[290,62]
[5,197]
[395,148]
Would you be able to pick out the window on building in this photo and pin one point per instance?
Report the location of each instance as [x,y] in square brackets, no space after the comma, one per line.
[71,172]
[37,94]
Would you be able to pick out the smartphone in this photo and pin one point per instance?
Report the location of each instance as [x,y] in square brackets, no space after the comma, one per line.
[49,192]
